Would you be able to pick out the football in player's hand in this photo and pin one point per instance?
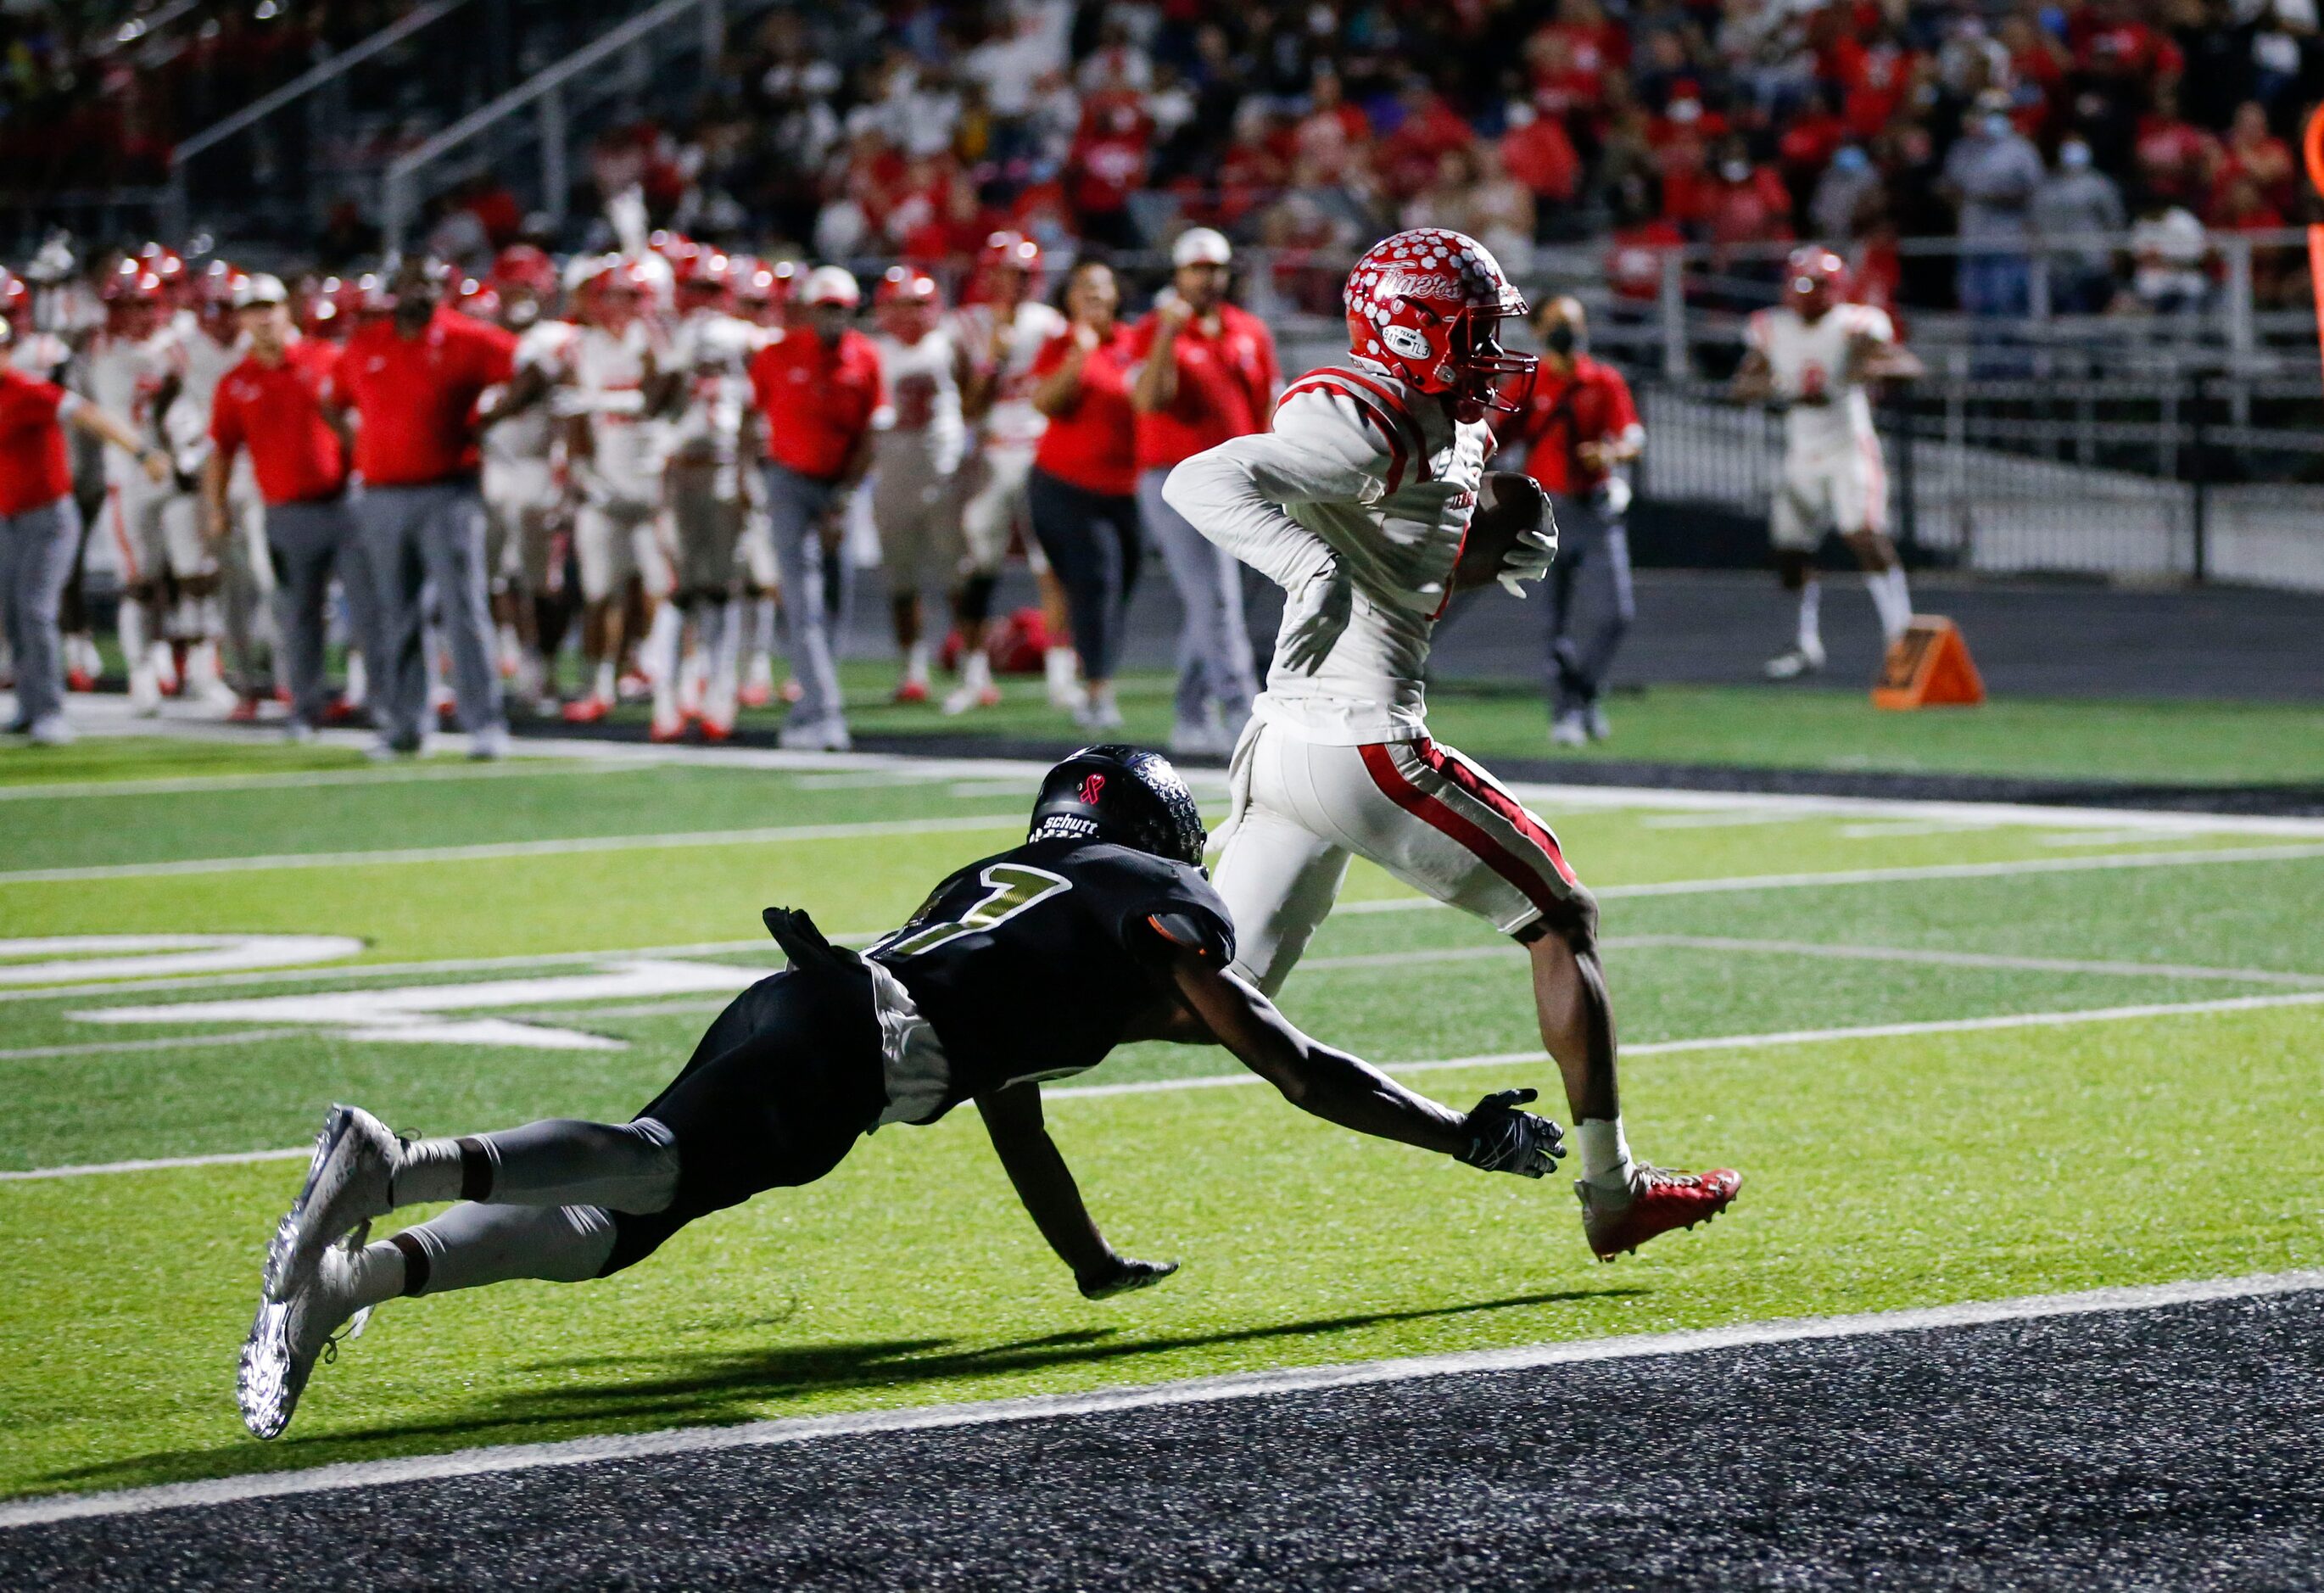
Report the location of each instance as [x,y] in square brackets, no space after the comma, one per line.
[1509,505]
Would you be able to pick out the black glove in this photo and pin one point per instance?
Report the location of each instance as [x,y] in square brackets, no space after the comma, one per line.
[1503,1139]
[804,945]
[1122,1275]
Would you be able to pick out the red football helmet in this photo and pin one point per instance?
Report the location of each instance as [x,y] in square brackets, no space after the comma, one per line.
[133,299]
[905,284]
[1814,279]
[15,299]
[703,277]
[212,292]
[478,299]
[166,266]
[1007,251]
[523,266]
[1428,303]
[762,290]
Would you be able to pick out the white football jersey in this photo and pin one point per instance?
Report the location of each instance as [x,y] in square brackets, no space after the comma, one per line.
[1012,422]
[713,350]
[205,364]
[41,355]
[1360,468]
[124,377]
[609,373]
[923,397]
[1806,361]
[524,440]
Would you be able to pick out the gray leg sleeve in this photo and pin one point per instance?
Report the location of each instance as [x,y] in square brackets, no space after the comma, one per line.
[564,1162]
[470,1245]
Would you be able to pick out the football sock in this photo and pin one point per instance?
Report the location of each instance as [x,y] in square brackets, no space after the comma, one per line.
[1605,1153]
[1890,597]
[1811,635]
[471,1245]
[137,635]
[356,680]
[975,669]
[915,663]
[1060,662]
[605,688]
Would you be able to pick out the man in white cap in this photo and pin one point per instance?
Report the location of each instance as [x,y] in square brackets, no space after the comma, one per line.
[818,385]
[273,403]
[1208,374]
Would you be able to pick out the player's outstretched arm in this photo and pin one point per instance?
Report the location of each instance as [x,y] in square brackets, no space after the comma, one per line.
[1347,1091]
[1054,1201]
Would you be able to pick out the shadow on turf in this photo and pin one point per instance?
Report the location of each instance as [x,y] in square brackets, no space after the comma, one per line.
[711,1387]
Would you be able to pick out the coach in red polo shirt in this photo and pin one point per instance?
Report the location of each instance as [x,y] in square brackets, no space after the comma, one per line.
[1207,373]
[1577,427]
[817,382]
[273,403]
[39,530]
[412,378]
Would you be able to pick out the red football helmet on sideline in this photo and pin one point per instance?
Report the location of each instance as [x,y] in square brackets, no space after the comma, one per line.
[1007,251]
[763,290]
[15,300]
[702,277]
[1428,303]
[132,297]
[166,266]
[212,296]
[520,265]
[1814,279]
[475,298]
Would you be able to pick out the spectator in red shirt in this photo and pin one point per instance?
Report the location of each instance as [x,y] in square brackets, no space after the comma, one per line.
[1209,373]
[1408,156]
[274,402]
[412,378]
[818,386]
[2176,158]
[1578,428]
[1107,164]
[2255,154]
[40,531]
[1082,491]
[1539,153]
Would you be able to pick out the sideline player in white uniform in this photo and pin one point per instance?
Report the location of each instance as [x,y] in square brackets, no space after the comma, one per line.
[616,463]
[1003,332]
[524,491]
[762,291]
[920,437]
[1814,354]
[1358,504]
[210,334]
[133,363]
[704,389]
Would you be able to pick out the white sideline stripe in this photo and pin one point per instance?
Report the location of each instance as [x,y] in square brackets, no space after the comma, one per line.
[519,768]
[505,849]
[167,1042]
[1992,870]
[1877,1031]
[1234,1386]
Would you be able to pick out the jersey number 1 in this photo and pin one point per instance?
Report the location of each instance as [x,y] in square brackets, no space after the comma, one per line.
[1010,889]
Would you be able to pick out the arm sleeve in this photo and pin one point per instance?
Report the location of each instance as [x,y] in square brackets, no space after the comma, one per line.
[1321,451]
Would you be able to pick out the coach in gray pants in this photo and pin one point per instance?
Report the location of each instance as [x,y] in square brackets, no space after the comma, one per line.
[309,543]
[1590,607]
[798,509]
[415,538]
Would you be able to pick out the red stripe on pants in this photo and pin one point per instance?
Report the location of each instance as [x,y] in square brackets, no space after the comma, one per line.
[1461,775]
[1380,761]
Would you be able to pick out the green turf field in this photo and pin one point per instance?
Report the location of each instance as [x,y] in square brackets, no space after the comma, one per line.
[1821,727]
[1985,1138]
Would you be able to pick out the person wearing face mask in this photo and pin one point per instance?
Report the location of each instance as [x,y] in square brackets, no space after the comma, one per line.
[2076,205]
[1991,173]
[1577,427]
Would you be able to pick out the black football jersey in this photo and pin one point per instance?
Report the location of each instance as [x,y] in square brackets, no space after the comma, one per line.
[1031,964]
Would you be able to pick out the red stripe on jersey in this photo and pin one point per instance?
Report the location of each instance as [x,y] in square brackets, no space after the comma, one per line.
[1323,382]
[1396,407]
[1466,776]
[1380,761]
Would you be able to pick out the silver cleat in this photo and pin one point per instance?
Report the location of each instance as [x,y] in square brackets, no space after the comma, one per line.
[347,1183]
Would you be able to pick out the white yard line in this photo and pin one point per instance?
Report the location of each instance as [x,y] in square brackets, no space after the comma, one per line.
[1274,1382]
[562,847]
[1877,1031]
[390,775]
[166,1043]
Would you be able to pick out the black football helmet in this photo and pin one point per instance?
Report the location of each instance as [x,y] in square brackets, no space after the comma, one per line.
[1125,795]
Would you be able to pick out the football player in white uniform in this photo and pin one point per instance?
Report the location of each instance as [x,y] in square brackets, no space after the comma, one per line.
[210,335]
[1003,332]
[1814,354]
[132,364]
[616,463]
[921,438]
[1358,504]
[704,389]
[762,291]
[524,487]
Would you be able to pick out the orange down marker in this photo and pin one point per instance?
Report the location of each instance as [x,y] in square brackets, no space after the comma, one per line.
[1929,667]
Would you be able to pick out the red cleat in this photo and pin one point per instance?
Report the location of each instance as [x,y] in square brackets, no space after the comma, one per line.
[585,711]
[912,691]
[715,730]
[244,712]
[79,680]
[1660,1199]
[756,697]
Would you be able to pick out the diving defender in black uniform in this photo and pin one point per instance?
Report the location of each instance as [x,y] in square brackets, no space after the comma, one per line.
[1030,965]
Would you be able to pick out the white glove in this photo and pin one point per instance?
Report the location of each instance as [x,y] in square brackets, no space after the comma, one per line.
[1529,560]
[1313,617]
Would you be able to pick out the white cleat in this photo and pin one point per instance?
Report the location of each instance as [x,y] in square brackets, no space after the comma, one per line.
[1600,727]
[145,693]
[1097,716]
[1799,661]
[1569,729]
[830,736]
[348,1182]
[288,1336]
[962,699]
